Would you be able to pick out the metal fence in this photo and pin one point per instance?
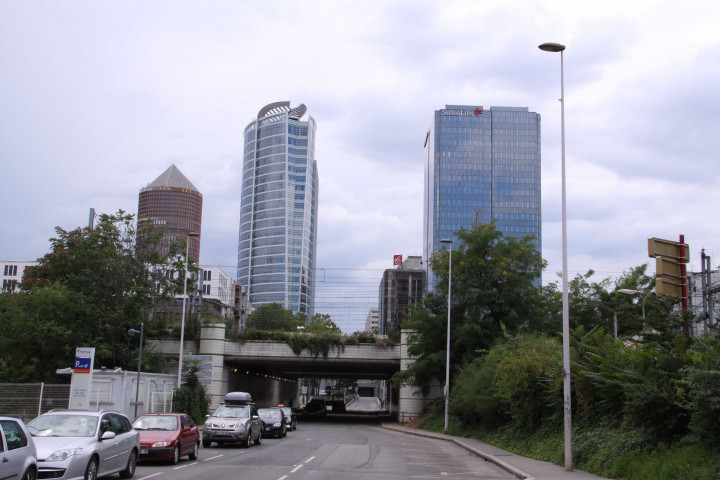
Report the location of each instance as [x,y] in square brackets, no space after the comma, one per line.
[28,400]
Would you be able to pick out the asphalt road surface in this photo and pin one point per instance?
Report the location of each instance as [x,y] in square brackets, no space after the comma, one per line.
[352,447]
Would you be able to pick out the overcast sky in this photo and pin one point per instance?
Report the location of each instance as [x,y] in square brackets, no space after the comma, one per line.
[97,99]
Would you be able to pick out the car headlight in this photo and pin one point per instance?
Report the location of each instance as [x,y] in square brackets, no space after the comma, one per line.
[278,424]
[240,426]
[162,444]
[60,455]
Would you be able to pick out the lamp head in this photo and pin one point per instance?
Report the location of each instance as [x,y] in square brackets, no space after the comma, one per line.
[551,47]
[132,332]
[445,240]
[628,291]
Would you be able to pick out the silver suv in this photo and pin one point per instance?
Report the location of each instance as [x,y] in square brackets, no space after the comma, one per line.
[76,445]
[234,421]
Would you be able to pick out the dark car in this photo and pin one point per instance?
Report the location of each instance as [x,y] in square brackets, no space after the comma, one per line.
[274,421]
[167,436]
[291,417]
[316,406]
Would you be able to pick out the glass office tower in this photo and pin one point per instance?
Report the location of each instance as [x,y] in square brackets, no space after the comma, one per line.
[481,165]
[278,209]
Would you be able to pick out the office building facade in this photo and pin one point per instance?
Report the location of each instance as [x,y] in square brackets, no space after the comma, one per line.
[279,209]
[400,288]
[171,201]
[481,165]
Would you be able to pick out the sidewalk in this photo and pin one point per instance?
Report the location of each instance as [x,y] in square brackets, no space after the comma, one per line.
[521,467]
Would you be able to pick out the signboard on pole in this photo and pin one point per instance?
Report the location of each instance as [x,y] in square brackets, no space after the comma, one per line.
[81,382]
[670,268]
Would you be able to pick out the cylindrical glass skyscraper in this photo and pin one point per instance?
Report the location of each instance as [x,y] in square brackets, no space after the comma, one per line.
[278,209]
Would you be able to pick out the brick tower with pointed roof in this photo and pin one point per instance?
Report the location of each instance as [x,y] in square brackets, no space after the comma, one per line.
[173,202]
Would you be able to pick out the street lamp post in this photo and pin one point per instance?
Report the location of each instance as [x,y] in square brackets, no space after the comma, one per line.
[182,316]
[447,357]
[556,47]
[630,291]
[132,331]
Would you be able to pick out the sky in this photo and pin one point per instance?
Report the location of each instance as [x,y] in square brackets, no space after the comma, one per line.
[97,99]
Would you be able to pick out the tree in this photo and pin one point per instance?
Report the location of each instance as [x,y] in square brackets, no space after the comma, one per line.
[191,397]
[272,316]
[93,285]
[321,323]
[495,292]
[37,333]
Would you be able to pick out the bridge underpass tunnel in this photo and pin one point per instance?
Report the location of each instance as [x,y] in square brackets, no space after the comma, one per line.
[267,389]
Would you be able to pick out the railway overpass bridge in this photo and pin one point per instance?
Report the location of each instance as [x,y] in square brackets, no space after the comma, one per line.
[271,371]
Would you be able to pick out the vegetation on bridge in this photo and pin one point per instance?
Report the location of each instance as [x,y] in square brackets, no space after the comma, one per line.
[318,334]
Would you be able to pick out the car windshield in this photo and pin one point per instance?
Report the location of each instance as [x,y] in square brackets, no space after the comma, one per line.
[156,422]
[63,426]
[270,413]
[226,411]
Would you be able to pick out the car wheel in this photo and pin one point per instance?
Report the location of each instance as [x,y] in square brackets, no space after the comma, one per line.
[206,443]
[92,469]
[30,474]
[176,456]
[246,443]
[195,452]
[131,464]
[258,440]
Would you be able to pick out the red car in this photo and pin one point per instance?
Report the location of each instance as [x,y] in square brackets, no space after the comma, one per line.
[167,436]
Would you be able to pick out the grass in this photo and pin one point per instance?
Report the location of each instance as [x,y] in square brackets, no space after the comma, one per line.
[616,451]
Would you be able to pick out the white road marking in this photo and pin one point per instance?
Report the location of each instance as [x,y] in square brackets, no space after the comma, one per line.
[296,469]
[283,477]
[309,460]
[211,458]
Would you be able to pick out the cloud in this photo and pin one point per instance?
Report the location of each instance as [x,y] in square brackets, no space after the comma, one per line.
[98,100]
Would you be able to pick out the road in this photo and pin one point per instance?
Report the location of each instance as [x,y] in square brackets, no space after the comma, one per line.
[351,447]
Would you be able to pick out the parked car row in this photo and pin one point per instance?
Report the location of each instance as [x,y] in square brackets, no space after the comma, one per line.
[67,444]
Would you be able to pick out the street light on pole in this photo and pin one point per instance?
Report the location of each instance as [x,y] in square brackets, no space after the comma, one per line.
[182,316]
[447,358]
[630,291]
[132,332]
[556,47]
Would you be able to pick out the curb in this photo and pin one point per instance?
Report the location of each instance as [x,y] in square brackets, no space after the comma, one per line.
[457,441]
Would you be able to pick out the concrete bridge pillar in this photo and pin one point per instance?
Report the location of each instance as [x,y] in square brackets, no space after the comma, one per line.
[212,343]
[411,400]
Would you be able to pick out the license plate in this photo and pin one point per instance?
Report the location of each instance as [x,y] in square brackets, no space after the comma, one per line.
[143,451]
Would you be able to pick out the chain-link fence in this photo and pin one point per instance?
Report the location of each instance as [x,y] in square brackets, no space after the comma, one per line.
[28,400]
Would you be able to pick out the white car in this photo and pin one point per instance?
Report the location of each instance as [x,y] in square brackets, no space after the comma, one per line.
[75,445]
[17,450]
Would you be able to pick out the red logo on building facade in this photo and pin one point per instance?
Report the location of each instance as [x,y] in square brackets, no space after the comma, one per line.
[397,259]
[478,111]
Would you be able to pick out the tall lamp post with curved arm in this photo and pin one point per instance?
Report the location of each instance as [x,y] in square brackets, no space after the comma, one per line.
[182,316]
[556,47]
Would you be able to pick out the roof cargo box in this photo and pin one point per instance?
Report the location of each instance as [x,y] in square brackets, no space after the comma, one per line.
[238,398]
